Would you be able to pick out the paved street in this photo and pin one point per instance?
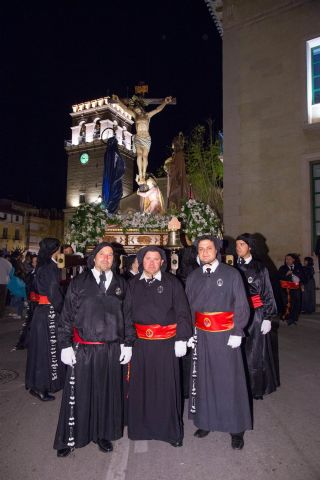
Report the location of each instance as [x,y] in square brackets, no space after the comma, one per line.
[284,444]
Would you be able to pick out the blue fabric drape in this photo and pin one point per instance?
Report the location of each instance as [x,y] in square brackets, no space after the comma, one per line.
[112,176]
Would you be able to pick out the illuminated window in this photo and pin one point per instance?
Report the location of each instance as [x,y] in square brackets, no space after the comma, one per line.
[315,179]
[313,80]
[315,68]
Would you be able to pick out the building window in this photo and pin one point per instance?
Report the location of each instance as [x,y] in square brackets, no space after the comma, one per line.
[17,218]
[315,179]
[3,216]
[313,80]
[82,198]
[5,233]
[17,234]
[315,68]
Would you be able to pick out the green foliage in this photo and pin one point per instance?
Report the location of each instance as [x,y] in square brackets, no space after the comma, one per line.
[205,169]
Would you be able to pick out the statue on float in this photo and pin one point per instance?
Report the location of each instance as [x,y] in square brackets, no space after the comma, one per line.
[142,139]
[152,199]
[175,168]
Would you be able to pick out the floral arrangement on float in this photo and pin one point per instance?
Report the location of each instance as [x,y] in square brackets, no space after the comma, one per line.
[88,225]
[198,219]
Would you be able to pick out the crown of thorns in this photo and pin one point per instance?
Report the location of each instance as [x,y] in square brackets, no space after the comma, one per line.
[137,102]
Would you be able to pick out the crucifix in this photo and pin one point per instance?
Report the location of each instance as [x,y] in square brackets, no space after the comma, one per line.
[136,107]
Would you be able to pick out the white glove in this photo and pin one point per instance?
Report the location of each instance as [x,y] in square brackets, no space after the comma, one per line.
[125,355]
[68,356]
[265,326]
[180,348]
[191,342]
[234,341]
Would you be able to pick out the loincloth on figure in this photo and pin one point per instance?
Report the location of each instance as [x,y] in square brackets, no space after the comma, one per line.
[144,142]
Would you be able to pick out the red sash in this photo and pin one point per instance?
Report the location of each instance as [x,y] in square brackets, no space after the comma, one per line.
[43,300]
[255,301]
[155,331]
[214,321]
[289,285]
[78,339]
[33,297]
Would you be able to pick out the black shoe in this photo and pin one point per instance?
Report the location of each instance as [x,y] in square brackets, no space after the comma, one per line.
[201,433]
[64,452]
[105,445]
[44,397]
[176,444]
[258,397]
[237,441]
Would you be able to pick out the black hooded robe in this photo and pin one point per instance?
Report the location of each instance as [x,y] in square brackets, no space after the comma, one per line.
[308,304]
[291,298]
[98,389]
[259,354]
[44,371]
[221,402]
[155,399]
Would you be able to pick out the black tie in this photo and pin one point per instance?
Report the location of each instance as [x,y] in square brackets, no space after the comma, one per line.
[241,261]
[102,285]
[150,280]
[208,270]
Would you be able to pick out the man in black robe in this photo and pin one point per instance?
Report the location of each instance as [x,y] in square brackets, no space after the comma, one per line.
[95,341]
[219,396]
[291,278]
[158,307]
[44,372]
[261,358]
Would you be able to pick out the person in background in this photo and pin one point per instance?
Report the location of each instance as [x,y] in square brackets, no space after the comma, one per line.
[259,356]
[32,301]
[26,263]
[45,373]
[5,269]
[291,277]
[131,267]
[308,287]
[17,286]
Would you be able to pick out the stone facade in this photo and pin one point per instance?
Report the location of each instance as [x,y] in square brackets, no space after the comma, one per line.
[270,142]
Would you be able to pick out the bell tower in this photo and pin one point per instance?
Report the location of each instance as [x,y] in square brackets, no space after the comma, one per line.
[93,122]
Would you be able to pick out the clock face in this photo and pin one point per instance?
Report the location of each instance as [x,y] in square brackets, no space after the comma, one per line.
[84,158]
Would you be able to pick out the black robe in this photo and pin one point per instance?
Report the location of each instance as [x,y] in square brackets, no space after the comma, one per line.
[260,355]
[309,291]
[291,298]
[98,317]
[222,402]
[155,400]
[45,372]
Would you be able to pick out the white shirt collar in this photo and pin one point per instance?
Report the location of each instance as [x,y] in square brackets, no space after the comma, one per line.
[157,276]
[248,260]
[213,266]
[96,273]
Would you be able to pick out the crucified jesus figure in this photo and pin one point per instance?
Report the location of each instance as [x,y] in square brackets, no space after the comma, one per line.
[142,139]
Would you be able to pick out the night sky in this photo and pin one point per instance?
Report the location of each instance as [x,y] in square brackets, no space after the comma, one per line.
[55,56]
